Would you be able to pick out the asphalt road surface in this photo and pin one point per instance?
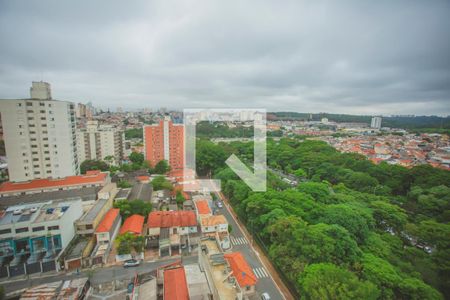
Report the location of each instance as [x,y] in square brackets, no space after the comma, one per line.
[239,243]
[99,275]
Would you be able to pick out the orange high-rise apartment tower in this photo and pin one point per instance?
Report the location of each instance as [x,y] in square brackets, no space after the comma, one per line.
[165,141]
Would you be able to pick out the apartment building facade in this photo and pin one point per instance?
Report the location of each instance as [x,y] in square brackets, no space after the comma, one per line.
[99,142]
[165,141]
[39,136]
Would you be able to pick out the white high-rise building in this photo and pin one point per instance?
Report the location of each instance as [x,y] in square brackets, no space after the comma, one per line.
[100,141]
[376,122]
[39,135]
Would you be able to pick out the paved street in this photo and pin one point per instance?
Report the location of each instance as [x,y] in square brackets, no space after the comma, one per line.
[141,191]
[241,244]
[99,275]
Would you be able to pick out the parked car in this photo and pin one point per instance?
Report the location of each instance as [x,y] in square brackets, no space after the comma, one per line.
[131,263]
[219,204]
[265,296]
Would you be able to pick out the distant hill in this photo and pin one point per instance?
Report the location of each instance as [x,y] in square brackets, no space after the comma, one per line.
[406,122]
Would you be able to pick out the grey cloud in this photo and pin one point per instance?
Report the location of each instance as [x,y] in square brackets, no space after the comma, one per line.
[347,56]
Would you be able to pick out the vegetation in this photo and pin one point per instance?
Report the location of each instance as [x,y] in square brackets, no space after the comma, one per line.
[218,129]
[180,198]
[162,167]
[128,208]
[135,133]
[351,229]
[161,183]
[123,184]
[127,242]
[429,123]
[89,165]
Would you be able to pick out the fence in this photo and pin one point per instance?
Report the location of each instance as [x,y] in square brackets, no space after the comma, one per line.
[27,269]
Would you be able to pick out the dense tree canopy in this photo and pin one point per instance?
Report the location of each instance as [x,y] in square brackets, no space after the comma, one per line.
[350,229]
[128,208]
[89,165]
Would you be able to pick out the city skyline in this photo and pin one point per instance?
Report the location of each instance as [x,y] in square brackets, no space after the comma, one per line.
[218,55]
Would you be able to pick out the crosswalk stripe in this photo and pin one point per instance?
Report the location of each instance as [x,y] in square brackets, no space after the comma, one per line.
[238,240]
[260,272]
[256,271]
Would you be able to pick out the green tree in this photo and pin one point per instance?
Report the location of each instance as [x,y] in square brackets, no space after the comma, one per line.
[162,167]
[123,184]
[329,282]
[89,165]
[209,157]
[356,220]
[136,158]
[300,173]
[388,216]
[128,208]
[161,183]
[180,198]
[127,242]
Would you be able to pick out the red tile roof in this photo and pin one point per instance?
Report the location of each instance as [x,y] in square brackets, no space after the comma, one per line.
[175,284]
[133,224]
[143,178]
[108,220]
[241,270]
[165,219]
[91,177]
[203,207]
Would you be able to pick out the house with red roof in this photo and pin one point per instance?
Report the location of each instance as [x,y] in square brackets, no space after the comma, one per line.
[105,234]
[175,284]
[169,230]
[143,179]
[108,228]
[202,208]
[242,272]
[90,179]
[133,224]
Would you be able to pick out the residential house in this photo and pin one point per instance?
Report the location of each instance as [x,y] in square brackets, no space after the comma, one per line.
[242,272]
[169,230]
[133,224]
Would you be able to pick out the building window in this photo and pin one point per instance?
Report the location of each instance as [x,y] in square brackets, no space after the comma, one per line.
[56,227]
[23,229]
[5,231]
[40,228]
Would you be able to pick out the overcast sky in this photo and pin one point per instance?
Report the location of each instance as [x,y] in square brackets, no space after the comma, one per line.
[365,57]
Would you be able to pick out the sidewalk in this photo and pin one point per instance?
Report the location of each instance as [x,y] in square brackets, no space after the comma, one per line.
[261,255]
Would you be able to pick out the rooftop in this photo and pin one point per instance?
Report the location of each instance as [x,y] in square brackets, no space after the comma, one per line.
[203,207]
[108,220]
[91,177]
[166,219]
[214,220]
[86,194]
[175,284]
[36,212]
[133,224]
[92,213]
[241,270]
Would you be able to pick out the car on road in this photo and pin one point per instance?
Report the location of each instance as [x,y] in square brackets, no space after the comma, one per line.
[131,263]
[219,204]
[265,296]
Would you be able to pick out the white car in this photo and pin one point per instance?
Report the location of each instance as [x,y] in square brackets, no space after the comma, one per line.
[265,296]
[131,263]
[219,204]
